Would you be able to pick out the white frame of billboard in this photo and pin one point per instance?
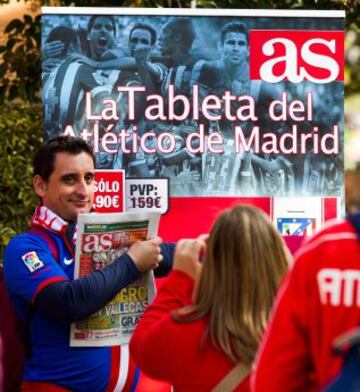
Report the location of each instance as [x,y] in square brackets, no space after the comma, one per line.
[192,12]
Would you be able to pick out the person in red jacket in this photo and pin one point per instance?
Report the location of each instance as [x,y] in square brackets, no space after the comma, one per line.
[208,317]
[318,301]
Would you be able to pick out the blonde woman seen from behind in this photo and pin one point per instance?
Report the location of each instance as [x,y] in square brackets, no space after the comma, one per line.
[209,316]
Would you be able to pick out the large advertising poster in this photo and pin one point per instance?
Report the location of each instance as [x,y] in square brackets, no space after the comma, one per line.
[203,109]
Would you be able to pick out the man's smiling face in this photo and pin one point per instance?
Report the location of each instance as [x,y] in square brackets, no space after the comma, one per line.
[69,190]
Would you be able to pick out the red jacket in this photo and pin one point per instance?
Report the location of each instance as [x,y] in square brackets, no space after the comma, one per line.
[319,300]
[177,352]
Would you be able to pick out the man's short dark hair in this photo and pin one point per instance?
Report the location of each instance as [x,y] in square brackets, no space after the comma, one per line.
[94,17]
[145,26]
[44,159]
[185,27]
[65,34]
[234,27]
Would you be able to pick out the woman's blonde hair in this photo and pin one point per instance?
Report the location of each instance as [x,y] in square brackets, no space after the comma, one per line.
[244,262]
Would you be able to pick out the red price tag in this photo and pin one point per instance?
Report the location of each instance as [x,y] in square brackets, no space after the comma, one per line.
[109,192]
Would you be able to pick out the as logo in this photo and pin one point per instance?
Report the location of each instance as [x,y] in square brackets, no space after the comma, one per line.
[97,243]
[295,56]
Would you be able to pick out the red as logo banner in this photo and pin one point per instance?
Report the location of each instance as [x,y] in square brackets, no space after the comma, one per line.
[296,55]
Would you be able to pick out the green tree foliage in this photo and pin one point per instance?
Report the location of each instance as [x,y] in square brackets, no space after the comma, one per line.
[352,62]
[21,133]
[20,65]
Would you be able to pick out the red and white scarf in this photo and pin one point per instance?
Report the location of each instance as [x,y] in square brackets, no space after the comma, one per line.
[47,219]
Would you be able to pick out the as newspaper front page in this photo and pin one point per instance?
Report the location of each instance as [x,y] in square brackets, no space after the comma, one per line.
[103,238]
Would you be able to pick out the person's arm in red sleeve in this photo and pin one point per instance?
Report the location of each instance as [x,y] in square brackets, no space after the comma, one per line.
[157,336]
[284,359]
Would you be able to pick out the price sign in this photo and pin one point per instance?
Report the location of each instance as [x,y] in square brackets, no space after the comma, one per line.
[147,194]
[109,192]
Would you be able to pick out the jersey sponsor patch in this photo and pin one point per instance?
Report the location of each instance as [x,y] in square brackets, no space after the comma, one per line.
[32,261]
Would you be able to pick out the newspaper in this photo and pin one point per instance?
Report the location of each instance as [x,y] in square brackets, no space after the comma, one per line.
[101,239]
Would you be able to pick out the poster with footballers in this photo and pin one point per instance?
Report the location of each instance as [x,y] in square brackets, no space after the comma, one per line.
[200,107]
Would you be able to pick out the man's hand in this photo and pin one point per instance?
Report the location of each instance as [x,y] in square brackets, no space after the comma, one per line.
[52,49]
[188,254]
[146,254]
[103,160]
[186,176]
